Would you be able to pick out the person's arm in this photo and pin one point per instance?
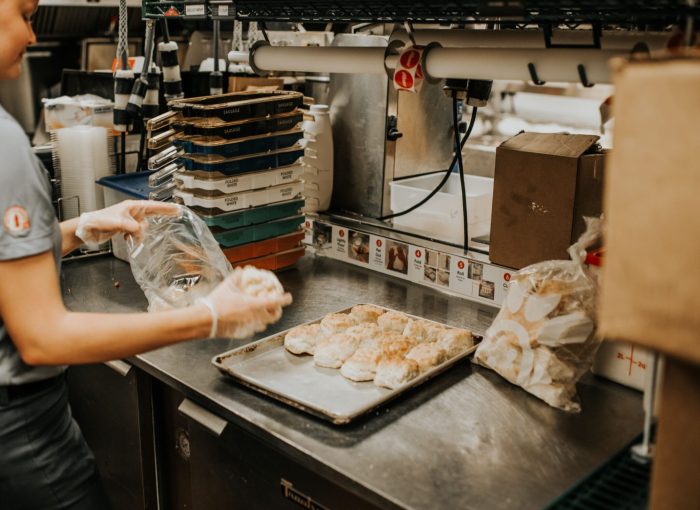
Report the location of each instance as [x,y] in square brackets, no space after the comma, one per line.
[45,333]
[99,226]
[70,240]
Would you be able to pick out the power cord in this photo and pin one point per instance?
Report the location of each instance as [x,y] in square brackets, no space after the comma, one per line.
[457,159]
[458,151]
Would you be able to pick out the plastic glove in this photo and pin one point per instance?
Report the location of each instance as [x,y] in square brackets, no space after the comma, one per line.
[236,312]
[125,217]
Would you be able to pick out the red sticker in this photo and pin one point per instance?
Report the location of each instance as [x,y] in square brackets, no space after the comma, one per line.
[460,264]
[379,243]
[403,79]
[419,254]
[308,224]
[410,59]
[16,221]
[507,277]
[341,233]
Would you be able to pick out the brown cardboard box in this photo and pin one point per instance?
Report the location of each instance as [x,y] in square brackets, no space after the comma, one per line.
[676,470]
[650,290]
[544,184]
[651,277]
[244,83]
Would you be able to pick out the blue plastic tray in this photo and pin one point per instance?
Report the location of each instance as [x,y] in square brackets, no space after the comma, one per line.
[256,145]
[135,184]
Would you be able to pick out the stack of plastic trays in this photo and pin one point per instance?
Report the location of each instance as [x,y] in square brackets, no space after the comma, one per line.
[236,160]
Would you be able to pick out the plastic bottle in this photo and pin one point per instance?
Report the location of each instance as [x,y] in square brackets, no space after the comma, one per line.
[318,160]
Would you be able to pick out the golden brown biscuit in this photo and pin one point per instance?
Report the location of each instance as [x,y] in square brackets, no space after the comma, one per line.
[394,372]
[362,365]
[393,322]
[333,351]
[427,355]
[364,331]
[456,341]
[415,330]
[336,323]
[366,313]
[433,331]
[396,345]
[303,339]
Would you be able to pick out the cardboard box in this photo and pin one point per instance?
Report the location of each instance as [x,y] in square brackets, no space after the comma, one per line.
[245,83]
[650,293]
[545,183]
[676,470]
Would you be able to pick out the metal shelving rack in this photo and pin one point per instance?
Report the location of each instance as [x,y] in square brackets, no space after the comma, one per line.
[623,12]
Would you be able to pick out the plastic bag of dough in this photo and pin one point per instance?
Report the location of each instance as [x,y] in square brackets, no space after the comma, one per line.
[177,261]
[543,337]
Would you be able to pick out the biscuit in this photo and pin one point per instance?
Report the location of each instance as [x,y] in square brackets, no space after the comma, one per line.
[433,331]
[362,365]
[333,351]
[455,341]
[393,322]
[427,355]
[258,282]
[366,313]
[364,331]
[415,330]
[394,345]
[303,339]
[336,323]
[393,372]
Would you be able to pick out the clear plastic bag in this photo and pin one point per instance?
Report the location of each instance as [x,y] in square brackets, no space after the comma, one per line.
[543,339]
[177,260]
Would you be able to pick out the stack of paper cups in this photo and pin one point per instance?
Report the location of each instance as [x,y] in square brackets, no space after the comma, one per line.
[83,154]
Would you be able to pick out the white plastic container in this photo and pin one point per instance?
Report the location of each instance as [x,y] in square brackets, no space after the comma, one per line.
[191,181]
[119,246]
[242,200]
[318,160]
[441,217]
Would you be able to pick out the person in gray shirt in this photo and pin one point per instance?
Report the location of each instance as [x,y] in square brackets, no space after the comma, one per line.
[44,461]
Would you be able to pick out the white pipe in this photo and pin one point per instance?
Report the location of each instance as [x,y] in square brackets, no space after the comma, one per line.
[476,63]
[326,59]
[610,40]
[512,64]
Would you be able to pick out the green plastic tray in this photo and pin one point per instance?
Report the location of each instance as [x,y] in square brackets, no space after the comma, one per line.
[252,216]
[253,233]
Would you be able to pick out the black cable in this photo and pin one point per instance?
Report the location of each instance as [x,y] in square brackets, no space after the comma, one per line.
[123,151]
[142,144]
[166,31]
[458,150]
[448,172]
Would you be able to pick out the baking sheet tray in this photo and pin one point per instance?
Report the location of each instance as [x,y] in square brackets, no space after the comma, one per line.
[267,367]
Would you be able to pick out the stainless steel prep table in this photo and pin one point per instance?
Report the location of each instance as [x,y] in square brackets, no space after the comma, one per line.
[468,439]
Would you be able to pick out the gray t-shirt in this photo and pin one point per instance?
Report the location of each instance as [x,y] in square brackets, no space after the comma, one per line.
[29,227]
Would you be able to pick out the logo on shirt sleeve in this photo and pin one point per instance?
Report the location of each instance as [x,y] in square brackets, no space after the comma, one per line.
[16,221]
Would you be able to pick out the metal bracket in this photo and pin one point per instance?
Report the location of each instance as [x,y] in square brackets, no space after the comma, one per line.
[533,74]
[119,366]
[206,419]
[583,77]
[597,32]
[251,59]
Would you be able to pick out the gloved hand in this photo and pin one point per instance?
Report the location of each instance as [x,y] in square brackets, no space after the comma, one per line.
[239,309]
[125,217]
